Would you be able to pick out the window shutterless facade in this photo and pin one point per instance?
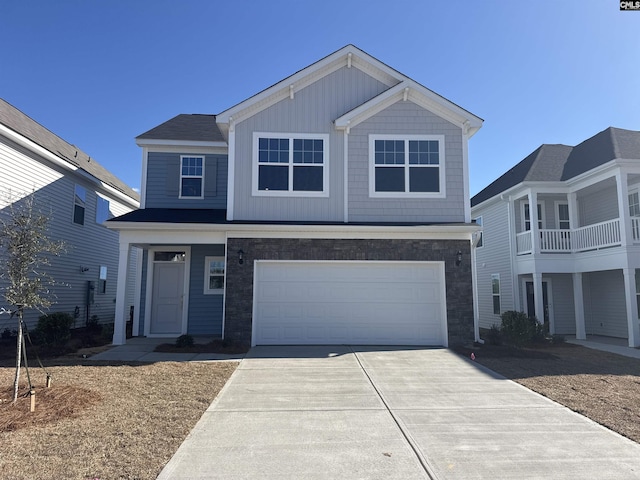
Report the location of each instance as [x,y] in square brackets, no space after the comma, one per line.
[79,204]
[191,176]
[495,291]
[406,166]
[213,275]
[290,164]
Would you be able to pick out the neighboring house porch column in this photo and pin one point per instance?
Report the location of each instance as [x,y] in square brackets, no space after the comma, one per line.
[623,209]
[538,297]
[578,302]
[632,306]
[120,323]
[533,221]
[572,201]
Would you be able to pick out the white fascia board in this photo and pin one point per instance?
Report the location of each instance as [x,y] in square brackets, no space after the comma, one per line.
[417,94]
[192,232]
[56,160]
[307,76]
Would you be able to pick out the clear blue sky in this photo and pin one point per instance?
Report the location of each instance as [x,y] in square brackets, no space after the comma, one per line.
[98,73]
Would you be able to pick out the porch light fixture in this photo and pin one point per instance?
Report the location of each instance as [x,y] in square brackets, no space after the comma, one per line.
[240,256]
[458,258]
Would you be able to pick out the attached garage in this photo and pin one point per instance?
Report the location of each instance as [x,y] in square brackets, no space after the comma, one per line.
[349,302]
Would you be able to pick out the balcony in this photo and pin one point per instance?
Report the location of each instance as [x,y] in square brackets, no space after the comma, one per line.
[583,239]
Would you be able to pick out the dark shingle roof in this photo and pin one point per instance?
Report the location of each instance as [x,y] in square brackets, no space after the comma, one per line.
[194,127]
[20,123]
[603,147]
[560,162]
[546,163]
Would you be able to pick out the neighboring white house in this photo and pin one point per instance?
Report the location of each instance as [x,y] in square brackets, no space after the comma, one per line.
[80,195]
[332,207]
[574,259]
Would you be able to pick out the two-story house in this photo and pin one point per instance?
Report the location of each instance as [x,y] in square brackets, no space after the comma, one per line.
[330,208]
[78,195]
[573,260]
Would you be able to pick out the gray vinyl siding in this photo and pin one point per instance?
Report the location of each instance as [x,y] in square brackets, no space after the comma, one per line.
[493,257]
[605,310]
[205,311]
[563,309]
[90,245]
[598,207]
[406,118]
[313,110]
[163,182]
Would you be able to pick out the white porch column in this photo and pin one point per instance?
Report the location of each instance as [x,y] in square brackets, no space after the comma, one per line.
[623,208]
[578,302]
[120,323]
[513,246]
[533,220]
[538,297]
[632,306]
[573,213]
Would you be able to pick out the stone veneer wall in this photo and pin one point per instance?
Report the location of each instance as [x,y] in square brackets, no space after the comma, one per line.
[239,289]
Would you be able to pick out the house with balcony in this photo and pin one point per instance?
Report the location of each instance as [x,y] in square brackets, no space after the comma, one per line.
[561,238]
[329,208]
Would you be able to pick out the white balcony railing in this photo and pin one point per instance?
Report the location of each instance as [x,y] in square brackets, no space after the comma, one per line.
[591,237]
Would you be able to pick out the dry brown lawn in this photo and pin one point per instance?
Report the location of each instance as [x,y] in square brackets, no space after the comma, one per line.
[103,421]
[602,386]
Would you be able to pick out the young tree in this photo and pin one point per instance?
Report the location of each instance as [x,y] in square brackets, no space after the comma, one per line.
[27,249]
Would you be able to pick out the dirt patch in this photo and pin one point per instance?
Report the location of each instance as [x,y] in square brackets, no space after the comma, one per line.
[602,386]
[106,421]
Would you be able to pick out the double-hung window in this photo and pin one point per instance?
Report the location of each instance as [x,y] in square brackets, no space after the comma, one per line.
[79,204]
[634,204]
[213,275]
[191,176]
[290,164]
[102,209]
[563,216]
[406,166]
[526,216]
[495,292]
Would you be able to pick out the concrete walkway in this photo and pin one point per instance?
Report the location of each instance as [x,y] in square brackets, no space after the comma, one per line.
[141,349]
[385,413]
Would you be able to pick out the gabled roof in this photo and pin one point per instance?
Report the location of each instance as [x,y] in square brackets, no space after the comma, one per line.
[552,163]
[18,122]
[185,127]
[349,56]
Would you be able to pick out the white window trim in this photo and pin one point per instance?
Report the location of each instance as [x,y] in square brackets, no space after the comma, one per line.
[481,232]
[556,207]
[73,210]
[372,167]
[291,193]
[496,276]
[214,291]
[542,216]
[201,177]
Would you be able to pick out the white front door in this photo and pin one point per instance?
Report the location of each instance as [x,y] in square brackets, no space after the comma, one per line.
[168,299]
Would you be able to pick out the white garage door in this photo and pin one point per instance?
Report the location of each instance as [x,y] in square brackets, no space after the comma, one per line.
[358,303]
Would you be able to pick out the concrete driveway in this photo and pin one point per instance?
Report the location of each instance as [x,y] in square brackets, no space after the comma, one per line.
[390,413]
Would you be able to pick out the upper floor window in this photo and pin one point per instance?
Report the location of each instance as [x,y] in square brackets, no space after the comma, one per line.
[563,216]
[634,204]
[526,217]
[191,176]
[406,165]
[290,165]
[79,204]
[102,209]
[102,281]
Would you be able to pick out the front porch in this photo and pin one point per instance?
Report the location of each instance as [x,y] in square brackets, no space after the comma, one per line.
[606,344]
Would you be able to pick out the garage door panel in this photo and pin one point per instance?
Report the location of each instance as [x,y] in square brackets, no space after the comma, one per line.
[349,302]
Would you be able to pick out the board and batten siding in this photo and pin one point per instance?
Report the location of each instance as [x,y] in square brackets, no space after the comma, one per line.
[406,118]
[604,309]
[89,246]
[312,110]
[163,182]
[493,257]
